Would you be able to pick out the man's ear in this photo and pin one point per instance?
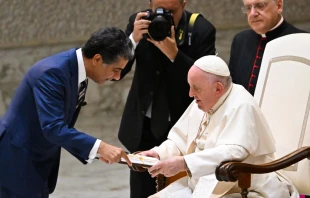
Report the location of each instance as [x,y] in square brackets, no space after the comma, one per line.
[184,4]
[150,4]
[219,88]
[280,6]
[97,59]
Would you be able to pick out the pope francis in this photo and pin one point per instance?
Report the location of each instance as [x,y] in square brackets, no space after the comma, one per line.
[223,123]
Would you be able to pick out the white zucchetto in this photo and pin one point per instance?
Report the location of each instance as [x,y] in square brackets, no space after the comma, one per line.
[213,64]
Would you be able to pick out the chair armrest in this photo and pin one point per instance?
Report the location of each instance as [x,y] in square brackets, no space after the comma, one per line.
[163,181]
[232,171]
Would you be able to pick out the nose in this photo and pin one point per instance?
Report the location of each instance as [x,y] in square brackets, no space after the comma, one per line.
[117,75]
[253,11]
[191,94]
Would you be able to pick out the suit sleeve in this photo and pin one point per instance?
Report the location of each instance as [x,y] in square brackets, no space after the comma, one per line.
[49,93]
[128,31]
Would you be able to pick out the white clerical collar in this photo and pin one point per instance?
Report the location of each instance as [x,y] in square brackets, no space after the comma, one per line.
[278,24]
[220,101]
[82,71]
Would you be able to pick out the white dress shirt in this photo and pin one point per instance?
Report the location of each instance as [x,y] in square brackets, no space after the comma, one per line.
[81,78]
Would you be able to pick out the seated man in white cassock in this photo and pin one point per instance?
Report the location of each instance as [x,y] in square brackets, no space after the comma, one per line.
[223,123]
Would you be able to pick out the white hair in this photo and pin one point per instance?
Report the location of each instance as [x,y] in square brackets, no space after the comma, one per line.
[225,80]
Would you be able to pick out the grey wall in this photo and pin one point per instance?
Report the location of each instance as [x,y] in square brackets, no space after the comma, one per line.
[31,30]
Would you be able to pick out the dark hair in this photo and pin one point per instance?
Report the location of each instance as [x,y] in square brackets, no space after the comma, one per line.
[181,1]
[111,43]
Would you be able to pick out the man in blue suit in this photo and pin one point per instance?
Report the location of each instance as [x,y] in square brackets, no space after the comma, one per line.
[42,114]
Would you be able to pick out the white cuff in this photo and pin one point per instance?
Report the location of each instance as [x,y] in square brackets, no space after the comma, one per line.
[93,151]
[133,41]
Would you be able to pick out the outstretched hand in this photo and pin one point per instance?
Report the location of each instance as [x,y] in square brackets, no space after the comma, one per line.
[112,154]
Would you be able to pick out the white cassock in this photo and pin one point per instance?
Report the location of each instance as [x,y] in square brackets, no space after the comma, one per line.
[237,130]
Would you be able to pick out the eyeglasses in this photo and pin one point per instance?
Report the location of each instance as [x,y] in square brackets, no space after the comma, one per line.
[257,7]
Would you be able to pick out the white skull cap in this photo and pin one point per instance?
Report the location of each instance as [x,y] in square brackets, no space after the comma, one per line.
[213,64]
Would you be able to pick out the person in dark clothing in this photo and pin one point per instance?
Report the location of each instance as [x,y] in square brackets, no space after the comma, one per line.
[159,92]
[267,23]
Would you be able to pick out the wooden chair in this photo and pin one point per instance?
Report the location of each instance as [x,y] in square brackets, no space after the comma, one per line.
[163,181]
[283,93]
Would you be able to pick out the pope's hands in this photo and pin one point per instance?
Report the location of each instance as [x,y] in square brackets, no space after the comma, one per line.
[149,153]
[168,46]
[169,167]
[140,26]
[112,154]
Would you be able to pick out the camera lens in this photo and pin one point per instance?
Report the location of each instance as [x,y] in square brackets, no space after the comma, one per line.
[159,28]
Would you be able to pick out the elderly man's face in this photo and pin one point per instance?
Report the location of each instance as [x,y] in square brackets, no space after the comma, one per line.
[202,89]
[262,15]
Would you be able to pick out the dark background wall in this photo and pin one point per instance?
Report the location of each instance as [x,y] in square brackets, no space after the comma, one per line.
[31,30]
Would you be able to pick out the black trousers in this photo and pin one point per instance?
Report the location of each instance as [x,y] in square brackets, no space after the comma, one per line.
[6,193]
[142,184]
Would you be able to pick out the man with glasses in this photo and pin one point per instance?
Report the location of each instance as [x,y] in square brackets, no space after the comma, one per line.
[42,114]
[267,23]
[159,91]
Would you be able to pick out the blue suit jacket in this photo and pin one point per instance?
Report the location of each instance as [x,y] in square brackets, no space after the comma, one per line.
[35,126]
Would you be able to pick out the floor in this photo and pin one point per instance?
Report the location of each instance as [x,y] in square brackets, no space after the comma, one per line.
[97,179]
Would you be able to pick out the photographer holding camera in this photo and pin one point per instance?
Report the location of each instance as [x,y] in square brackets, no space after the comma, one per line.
[168,40]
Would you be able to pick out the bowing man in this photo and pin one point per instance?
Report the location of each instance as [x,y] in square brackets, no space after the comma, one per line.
[41,117]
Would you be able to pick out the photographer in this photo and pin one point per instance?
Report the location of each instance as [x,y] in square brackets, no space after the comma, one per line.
[160,93]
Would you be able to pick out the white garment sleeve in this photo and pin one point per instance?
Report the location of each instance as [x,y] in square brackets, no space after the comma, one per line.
[176,144]
[93,152]
[167,149]
[205,162]
[133,42]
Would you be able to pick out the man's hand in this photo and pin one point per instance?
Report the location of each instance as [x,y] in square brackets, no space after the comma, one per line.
[111,154]
[168,46]
[149,153]
[168,167]
[140,26]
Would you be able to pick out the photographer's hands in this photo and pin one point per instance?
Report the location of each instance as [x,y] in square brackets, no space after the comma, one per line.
[140,26]
[167,46]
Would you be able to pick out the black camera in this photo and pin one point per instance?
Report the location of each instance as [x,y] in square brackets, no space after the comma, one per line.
[160,26]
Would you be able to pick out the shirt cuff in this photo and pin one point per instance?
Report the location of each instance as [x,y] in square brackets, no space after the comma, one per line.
[93,152]
[133,41]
